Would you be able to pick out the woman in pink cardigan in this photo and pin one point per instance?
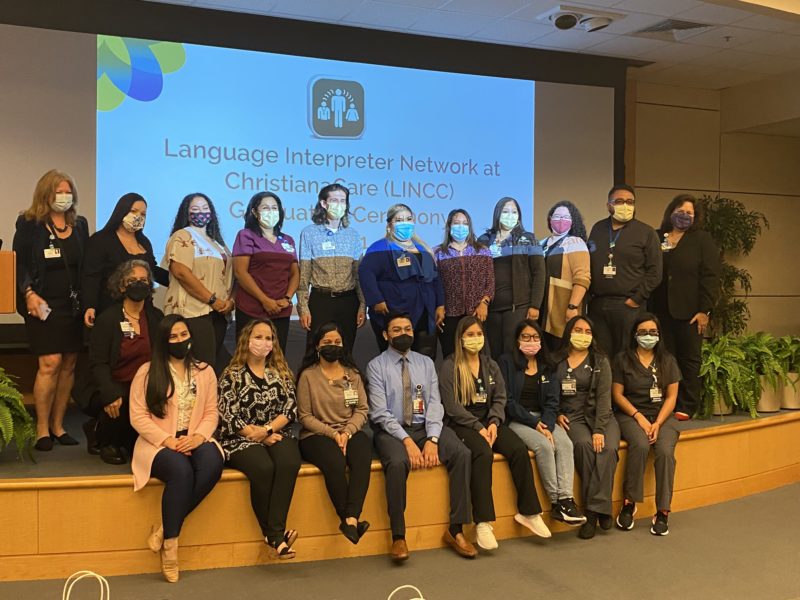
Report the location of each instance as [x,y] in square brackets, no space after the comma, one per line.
[173,405]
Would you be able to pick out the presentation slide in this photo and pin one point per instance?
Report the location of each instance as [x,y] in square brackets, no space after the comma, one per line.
[178,118]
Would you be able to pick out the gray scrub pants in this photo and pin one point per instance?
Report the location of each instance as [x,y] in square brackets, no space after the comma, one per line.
[555,463]
[638,449]
[596,469]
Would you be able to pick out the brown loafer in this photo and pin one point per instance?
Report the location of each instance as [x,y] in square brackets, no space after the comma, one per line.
[460,545]
[399,551]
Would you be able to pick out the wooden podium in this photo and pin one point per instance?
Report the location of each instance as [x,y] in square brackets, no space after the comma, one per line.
[8,282]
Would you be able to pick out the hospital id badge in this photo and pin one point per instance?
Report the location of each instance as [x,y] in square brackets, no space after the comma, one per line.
[52,252]
[609,271]
[480,398]
[404,261]
[655,394]
[350,398]
[569,387]
[328,246]
[126,328]
[417,404]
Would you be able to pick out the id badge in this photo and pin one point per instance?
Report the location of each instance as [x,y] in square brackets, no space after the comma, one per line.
[418,404]
[666,246]
[480,398]
[126,328]
[287,247]
[404,261]
[495,250]
[350,398]
[655,394]
[52,252]
[328,246]
[569,387]
[609,271]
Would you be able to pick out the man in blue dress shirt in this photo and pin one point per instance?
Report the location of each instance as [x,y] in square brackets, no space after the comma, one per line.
[406,413]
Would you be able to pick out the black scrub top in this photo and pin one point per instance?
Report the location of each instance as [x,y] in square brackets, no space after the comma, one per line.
[637,381]
[573,405]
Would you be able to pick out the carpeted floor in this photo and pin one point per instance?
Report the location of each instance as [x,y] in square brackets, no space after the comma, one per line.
[743,549]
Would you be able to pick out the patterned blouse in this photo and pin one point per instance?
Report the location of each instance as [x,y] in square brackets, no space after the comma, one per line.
[186,393]
[245,399]
[467,277]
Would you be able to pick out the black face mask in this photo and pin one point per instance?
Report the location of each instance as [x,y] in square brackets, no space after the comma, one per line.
[137,290]
[401,343]
[180,349]
[331,352]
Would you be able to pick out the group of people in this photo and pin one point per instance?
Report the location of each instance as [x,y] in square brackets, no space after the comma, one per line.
[548,346]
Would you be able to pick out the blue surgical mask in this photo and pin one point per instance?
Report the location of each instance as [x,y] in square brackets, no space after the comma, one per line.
[648,342]
[404,230]
[459,231]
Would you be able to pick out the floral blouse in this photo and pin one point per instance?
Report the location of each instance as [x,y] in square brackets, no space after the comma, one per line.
[245,399]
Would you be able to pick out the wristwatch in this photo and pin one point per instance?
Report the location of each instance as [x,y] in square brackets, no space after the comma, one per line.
[212,300]
[434,439]
[269,431]
[572,306]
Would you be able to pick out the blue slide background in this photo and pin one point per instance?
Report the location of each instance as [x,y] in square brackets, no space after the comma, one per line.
[258,100]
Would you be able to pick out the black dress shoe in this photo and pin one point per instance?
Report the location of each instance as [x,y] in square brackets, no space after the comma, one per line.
[362,528]
[112,455]
[64,439]
[349,531]
[44,444]
[89,429]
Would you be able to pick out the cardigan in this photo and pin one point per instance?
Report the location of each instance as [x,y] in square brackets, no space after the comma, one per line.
[495,388]
[527,266]
[549,390]
[567,262]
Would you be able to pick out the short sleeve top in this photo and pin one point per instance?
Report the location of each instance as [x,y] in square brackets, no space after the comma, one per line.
[637,381]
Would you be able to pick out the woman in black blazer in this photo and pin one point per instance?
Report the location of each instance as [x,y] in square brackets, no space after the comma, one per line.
[50,240]
[121,238]
[688,290]
[120,343]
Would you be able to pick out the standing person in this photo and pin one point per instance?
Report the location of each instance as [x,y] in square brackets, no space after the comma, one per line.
[474,399]
[626,268]
[688,290]
[49,243]
[330,251]
[265,265]
[519,275]
[173,405]
[567,261]
[586,415]
[257,408]
[398,274]
[645,388]
[120,240]
[532,409]
[332,407]
[406,412]
[119,345]
[201,279]
[465,268]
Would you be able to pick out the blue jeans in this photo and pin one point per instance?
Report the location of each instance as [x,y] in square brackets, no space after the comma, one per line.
[555,462]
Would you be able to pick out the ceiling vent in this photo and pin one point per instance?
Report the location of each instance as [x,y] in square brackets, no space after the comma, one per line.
[565,17]
[672,30]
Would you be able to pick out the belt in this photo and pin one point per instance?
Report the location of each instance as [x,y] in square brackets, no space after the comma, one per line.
[331,293]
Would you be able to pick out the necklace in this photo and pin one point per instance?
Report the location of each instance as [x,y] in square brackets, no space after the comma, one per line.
[329,376]
[130,316]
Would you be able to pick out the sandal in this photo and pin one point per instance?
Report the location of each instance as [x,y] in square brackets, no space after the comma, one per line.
[281,551]
[290,537]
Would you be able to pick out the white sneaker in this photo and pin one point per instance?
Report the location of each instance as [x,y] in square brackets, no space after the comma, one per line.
[485,537]
[535,523]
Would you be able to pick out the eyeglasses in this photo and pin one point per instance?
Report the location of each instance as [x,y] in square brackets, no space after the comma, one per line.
[561,218]
[529,337]
[621,201]
[640,332]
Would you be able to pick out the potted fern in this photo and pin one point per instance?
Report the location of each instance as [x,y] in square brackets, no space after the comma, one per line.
[723,370]
[16,425]
[761,350]
[788,352]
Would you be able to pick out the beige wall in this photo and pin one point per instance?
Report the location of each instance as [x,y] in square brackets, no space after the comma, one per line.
[678,146]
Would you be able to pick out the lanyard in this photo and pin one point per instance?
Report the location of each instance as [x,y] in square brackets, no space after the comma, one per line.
[612,241]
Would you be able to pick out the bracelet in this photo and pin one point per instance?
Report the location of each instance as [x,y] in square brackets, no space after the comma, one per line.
[29,292]
[633,416]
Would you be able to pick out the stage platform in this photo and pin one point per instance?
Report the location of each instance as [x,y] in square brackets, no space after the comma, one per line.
[71,511]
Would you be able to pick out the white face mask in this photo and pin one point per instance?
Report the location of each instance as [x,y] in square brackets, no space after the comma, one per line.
[132,222]
[336,211]
[269,217]
[62,202]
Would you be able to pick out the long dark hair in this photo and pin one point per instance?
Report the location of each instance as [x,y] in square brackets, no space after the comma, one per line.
[578,229]
[311,357]
[699,215]
[160,384]
[471,239]
[518,230]
[251,220]
[563,348]
[320,214]
[122,208]
[662,355]
[182,218]
[543,357]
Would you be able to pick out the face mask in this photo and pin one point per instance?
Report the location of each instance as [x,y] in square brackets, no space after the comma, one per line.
[530,349]
[473,344]
[260,348]
[560,227]
[62,202]
[509,220]
[681,221]
[336,211]
[403,231]
[401,343]
[180,349]
[580,341]
[648,342]
[459,232]
[623,213]
[200,219]
[268,218]
[133,223]
[137,290]
[331,352]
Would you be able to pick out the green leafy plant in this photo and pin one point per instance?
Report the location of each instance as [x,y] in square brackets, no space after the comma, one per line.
[761,350]
[727,377]
[787,351]
[15,423]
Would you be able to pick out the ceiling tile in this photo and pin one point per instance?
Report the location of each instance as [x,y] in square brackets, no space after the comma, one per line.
[713,13]
[665,8]
[731,59]
[495,8]
[632,22]
[726,37]
[379,14]
[439,22]
[537,7]
[765,23]
[773,44]
[513,31]
[417,3]
[571,40]
[627,46]
[677,53]
[318,10]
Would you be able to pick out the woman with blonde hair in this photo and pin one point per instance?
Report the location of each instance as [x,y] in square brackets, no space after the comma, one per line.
[257,407]
[49,243]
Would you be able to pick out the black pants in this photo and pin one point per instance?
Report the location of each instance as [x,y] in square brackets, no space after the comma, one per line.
[396,466]
[342,310]
[187,480]
[500,325]
[115,432]
[613,322]
[281,326]
[514,449]
[424,342]
[272,471]
[208,335]
[322,451]
[447,337]
[683,341]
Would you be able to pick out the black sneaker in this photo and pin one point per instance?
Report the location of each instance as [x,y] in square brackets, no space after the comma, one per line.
[569,512]
[605,521]
[660,525]
[555,512]
[625,516]
[588,529]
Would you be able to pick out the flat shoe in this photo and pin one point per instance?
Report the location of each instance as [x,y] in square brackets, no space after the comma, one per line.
[64,439]
[362,528]
[112,455]
[460,544]
[44,444]
[349,531]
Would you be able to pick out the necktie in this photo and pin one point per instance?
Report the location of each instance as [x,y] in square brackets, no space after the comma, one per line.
[408,409]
